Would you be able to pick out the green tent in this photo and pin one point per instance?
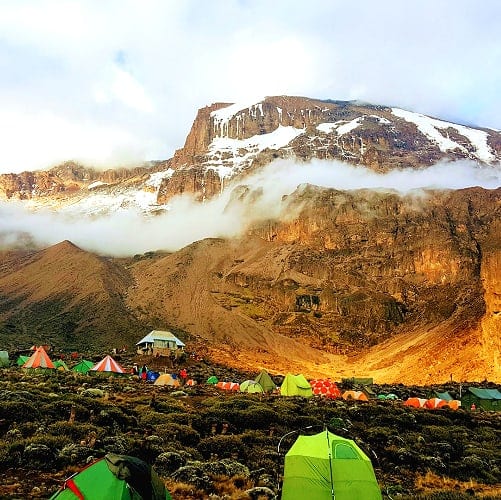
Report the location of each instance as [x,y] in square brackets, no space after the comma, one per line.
[295,385]
[21,360]
[212,380]
[114,477]
[61,365]
[83,367]
[4,359]
[251,386]
[444,395]
[265,381]
[327,467]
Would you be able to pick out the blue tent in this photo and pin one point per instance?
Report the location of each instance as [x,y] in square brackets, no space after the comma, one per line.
[151,376]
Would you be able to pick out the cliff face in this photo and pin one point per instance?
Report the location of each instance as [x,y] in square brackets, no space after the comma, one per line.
[228,140]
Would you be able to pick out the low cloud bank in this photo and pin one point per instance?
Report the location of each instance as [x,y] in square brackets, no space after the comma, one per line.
[130,232]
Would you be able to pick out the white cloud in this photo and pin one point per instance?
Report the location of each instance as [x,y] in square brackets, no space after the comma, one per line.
[126,231]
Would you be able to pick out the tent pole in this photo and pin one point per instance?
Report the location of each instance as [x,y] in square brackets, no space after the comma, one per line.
[333,496]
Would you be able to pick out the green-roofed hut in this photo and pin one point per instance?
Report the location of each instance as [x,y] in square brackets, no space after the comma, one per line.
[487,399]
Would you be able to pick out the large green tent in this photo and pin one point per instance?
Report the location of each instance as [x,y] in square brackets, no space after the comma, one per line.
[265,381]
[114,477]
[83,367]
[296,385]
[327,467]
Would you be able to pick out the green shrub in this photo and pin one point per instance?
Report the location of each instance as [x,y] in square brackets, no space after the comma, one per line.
[74,430]
[223,446]
[21,411]
[177,432]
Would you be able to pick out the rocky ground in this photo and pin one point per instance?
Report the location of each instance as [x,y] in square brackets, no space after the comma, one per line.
[204,441]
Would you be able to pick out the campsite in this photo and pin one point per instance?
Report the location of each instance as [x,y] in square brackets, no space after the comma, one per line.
[222,434]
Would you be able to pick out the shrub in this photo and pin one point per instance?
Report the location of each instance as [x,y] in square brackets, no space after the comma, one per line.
[222,446]
[21,411]
[181,433]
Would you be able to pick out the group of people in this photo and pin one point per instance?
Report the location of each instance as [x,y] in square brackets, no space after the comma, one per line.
[142,373]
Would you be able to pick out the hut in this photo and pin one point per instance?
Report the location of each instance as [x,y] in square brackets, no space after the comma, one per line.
[159,343]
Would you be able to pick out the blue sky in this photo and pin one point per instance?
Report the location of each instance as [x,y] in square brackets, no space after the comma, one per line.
[117,82]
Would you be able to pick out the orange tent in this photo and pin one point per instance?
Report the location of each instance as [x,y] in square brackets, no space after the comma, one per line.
[228,386]
[434,403]
[453,404]
[167,379]
[39,359]
[415,402]
[325,387]
[191,382]
[107,364]
[355,395]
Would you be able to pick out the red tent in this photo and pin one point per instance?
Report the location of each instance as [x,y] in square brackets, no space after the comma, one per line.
[228,386]
[325,387]
[39,359]
[415,402]
[108,364]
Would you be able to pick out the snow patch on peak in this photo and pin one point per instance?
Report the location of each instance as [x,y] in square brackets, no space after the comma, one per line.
[227,156]
[156,178]
[340,127]
[431,127]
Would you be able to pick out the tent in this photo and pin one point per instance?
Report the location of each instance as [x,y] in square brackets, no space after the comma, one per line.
[191,382]
[39,359]
[21,360]
[167,379]
[4,359]
[228,386]
[415,402]
[387,397]
[265,381]
[251,386]
[355,395]
[434,403]
[151,375]
[107,365]
[325,387]
[453,404]
[83,367]
[212,380]
[444,395]
[61,365]
[295,385]
[326,466]
[114,477]
[487,399]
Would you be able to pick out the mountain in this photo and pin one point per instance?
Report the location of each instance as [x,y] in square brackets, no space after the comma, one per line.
[227,141]
[402,287]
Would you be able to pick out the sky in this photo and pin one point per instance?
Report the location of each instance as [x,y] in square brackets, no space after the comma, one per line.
[119,82]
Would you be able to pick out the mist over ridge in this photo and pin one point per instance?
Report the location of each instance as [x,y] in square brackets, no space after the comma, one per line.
[128,231]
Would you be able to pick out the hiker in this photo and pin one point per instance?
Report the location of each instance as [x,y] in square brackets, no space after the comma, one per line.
[144,371]
[183,375]
[473,407]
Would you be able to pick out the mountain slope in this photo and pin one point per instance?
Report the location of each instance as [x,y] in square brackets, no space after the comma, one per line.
[66,296]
